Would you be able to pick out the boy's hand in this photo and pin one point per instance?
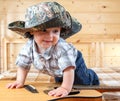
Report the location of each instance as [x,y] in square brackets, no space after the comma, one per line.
[15,84]
[59,92]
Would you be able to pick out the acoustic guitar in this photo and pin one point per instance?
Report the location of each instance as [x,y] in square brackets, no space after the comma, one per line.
[39,93]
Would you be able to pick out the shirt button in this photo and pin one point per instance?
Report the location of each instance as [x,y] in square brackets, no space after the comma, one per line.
[41,59]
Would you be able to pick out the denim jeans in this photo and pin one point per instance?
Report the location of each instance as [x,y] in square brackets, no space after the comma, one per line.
[83,75]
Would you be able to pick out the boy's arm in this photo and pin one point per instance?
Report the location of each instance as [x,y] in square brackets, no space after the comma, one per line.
[68,78]
[66,86]
[20,80]
[21,75]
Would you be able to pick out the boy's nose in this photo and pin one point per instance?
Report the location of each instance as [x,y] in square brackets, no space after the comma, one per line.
[50,34]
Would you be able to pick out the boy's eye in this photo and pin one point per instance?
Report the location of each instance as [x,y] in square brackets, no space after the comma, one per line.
[55,31]
[44,30]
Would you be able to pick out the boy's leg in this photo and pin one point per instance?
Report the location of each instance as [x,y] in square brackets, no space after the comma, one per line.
[83,75]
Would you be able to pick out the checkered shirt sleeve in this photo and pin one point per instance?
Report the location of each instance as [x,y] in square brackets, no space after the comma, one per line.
[24,57]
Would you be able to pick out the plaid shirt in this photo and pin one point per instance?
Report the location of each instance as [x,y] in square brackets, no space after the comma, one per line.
[52,62]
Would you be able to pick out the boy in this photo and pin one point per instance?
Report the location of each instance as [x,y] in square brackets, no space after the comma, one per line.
[47,25]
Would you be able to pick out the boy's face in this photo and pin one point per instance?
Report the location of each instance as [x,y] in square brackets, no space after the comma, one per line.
[47,37]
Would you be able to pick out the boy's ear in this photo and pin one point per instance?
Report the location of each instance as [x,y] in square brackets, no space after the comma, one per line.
[28,35]
[31,33]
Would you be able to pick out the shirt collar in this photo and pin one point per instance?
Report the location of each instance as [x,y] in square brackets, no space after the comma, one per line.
[46,54]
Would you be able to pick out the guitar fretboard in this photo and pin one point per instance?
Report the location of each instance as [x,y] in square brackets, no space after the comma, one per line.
[99,88]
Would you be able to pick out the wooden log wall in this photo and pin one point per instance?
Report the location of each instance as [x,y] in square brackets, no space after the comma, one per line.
[99,39]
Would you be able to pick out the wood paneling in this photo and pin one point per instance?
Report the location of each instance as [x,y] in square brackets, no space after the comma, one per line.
[76,6]
[99,39]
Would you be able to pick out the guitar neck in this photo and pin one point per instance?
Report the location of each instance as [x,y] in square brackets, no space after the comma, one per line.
[98,88]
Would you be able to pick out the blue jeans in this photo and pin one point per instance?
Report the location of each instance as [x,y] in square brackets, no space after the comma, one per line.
[83,76]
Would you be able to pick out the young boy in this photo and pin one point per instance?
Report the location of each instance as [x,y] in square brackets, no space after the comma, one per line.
[47,25]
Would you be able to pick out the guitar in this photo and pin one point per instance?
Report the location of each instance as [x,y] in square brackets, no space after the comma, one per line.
[40,95]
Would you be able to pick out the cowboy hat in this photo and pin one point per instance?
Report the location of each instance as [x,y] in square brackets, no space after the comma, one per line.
[46,15]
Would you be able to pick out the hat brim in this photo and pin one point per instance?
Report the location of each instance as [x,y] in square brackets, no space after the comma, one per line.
[75,28]
[19,27]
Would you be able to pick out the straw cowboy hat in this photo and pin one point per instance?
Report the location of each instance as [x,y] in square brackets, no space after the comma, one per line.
[46,15]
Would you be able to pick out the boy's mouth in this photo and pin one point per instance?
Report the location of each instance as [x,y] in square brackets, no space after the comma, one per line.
[47,41]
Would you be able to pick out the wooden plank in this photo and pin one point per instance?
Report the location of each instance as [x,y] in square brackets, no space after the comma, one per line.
[80,5]
[81,38]
[6,41]
[97,54]
[101,54]
[100,28]
[84,47]
[84,18]
[111,61]
[102,18]
[92,55]
[112,49]
[5,55]
[14,49]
